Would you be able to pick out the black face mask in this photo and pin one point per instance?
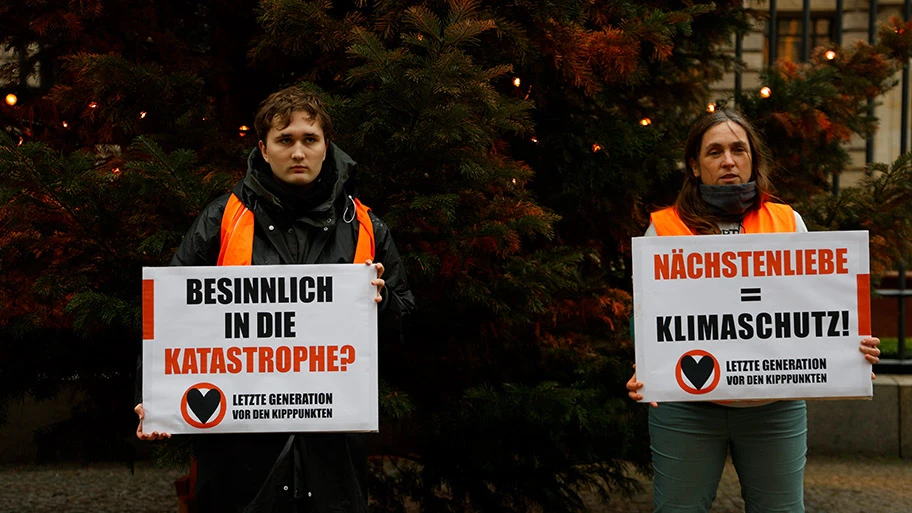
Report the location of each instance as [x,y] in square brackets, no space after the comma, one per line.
[729,202]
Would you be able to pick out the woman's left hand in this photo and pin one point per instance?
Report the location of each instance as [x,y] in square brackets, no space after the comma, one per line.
[870,350]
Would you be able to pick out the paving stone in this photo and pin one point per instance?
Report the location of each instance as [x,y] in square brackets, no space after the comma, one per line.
[833,484]
[105,488]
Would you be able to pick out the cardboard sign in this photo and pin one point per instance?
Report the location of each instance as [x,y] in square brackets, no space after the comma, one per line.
[738,317]
[260,349]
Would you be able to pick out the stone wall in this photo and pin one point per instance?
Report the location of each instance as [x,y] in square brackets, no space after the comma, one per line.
[879,427]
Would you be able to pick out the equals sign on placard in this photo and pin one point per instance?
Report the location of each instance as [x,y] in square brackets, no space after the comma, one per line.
[750,295]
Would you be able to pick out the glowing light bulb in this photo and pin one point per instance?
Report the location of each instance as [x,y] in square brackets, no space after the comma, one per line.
[766,92]
[243,129]
[65,124]
[710,107]
[596,147]
[11,99]
[645,121]
[535,140]
[93,105]
[830,55]
[514,181]
[142,115]
[517,81]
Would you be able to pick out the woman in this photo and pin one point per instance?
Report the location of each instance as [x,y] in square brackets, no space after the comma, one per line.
[727,191]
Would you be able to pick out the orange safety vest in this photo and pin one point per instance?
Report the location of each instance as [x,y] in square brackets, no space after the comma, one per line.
[237,249]
[770,217]
[237,234]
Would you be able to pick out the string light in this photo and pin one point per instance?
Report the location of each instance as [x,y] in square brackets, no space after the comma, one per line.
[596,147]
[65,124]
[21,140]
[645,121]
[535,140]
[710,107]
[11,99]
[116,171]
[514,181]
[243,130]
[765,92]
[830,55]
[517,81]
[142,115]
[93,105]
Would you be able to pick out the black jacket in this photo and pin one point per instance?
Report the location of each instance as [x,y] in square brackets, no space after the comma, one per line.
[293,472]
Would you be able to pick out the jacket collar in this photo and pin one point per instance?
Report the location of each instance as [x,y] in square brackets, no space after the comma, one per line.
[256,196]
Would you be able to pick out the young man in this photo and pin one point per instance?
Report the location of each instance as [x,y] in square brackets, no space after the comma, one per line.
[295,206]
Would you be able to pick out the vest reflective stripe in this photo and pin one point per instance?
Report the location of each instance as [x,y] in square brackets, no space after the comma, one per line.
[770,217]
[237,234]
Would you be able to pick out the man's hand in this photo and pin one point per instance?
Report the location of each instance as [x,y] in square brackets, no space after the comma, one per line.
[155,435]
[378,282]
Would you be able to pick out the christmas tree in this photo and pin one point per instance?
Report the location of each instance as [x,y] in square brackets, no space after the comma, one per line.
[105,162]
[513,147]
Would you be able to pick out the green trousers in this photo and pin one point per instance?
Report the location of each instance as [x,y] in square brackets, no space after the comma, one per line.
[768,446]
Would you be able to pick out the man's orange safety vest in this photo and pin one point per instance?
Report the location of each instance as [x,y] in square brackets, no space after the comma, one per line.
[237,249]
[770,217]
[237,234]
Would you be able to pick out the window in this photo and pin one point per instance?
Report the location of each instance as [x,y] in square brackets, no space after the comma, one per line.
[16,60]
[789,33]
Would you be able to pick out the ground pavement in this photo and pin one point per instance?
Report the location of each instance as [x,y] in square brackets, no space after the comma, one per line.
[832,485]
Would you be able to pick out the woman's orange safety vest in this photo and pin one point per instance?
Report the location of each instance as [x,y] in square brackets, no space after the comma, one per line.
[770,217]
[237,234]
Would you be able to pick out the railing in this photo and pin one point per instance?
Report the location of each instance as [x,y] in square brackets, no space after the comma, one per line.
[900,364]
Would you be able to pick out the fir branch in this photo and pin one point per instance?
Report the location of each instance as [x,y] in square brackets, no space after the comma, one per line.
[18,161]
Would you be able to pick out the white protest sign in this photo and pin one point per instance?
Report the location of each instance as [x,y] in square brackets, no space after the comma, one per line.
[765,316]
[260,348]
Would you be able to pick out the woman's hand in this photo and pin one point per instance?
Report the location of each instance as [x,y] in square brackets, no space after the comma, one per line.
[155,435]
[870,351]
[378,282]
[633,387]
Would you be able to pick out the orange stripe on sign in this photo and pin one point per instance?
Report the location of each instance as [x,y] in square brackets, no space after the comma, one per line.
[864,304]
[148,309]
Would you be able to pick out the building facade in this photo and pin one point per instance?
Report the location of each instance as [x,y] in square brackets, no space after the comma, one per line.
[828,22]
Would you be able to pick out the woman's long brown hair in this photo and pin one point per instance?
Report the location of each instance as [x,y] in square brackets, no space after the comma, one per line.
[689,205]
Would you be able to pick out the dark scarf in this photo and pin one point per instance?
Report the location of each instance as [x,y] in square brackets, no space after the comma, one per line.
[299,200]
[729,202]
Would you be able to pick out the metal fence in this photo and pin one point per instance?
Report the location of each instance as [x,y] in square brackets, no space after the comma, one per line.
[900,364]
